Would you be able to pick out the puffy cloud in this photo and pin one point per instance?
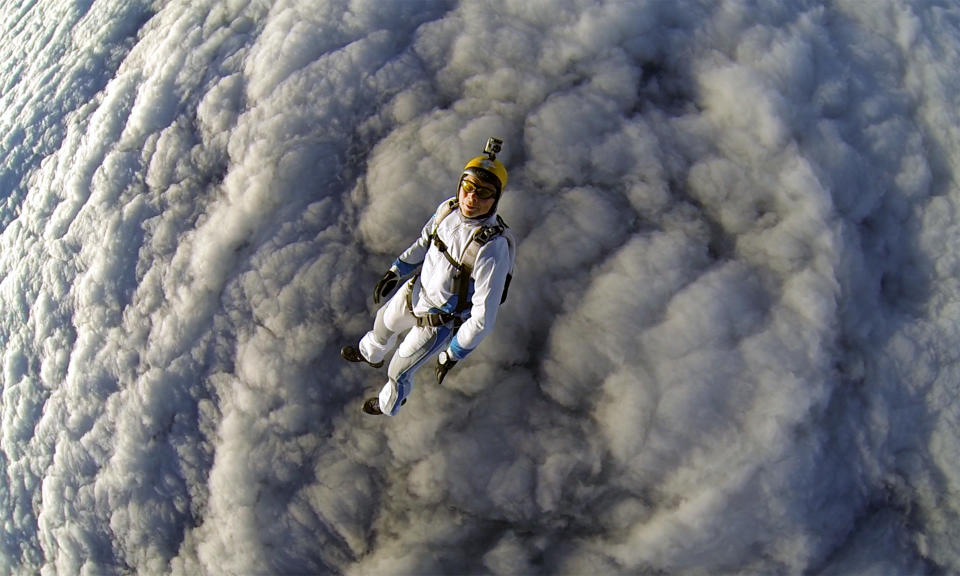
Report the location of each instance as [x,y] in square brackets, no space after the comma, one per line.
[730,346]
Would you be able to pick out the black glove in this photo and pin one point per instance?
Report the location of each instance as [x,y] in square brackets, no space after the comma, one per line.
[385,286]
[444,363]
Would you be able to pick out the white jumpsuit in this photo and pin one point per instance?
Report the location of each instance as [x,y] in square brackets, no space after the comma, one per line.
[432,291]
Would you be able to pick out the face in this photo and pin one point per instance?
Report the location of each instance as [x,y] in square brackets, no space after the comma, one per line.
[476,198]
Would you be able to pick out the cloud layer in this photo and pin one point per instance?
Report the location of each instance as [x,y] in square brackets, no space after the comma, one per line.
[730,346]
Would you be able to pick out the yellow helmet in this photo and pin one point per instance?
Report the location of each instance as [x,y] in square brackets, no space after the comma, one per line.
[489,164]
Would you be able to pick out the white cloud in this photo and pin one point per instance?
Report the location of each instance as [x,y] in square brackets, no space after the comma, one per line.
[730,346]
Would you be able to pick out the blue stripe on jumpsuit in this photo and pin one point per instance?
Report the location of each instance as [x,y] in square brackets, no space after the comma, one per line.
[404,380]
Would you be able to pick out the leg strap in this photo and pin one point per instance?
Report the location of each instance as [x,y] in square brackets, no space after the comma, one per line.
[435,320]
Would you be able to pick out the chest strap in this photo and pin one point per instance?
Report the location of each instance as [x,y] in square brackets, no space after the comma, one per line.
[468,259]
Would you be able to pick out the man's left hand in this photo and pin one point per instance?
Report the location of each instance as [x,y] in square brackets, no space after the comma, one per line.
[445,362]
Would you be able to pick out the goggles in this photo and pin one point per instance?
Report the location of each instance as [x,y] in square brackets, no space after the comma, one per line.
[481,192]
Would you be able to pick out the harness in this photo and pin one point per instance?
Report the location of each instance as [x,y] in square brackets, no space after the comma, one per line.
[464,266]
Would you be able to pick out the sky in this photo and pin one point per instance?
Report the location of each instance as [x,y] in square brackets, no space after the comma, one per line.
[730,345]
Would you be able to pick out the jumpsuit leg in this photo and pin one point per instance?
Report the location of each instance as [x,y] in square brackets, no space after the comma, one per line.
[393,318]
[419,346]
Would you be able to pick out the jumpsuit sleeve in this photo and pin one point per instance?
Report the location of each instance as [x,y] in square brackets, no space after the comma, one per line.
[490,275]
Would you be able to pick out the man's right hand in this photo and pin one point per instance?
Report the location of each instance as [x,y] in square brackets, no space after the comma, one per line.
[385,286]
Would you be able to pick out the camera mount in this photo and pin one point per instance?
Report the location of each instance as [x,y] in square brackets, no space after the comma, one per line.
[493,147]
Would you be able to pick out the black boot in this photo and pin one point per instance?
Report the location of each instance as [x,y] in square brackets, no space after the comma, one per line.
[372,406]
[352,354]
